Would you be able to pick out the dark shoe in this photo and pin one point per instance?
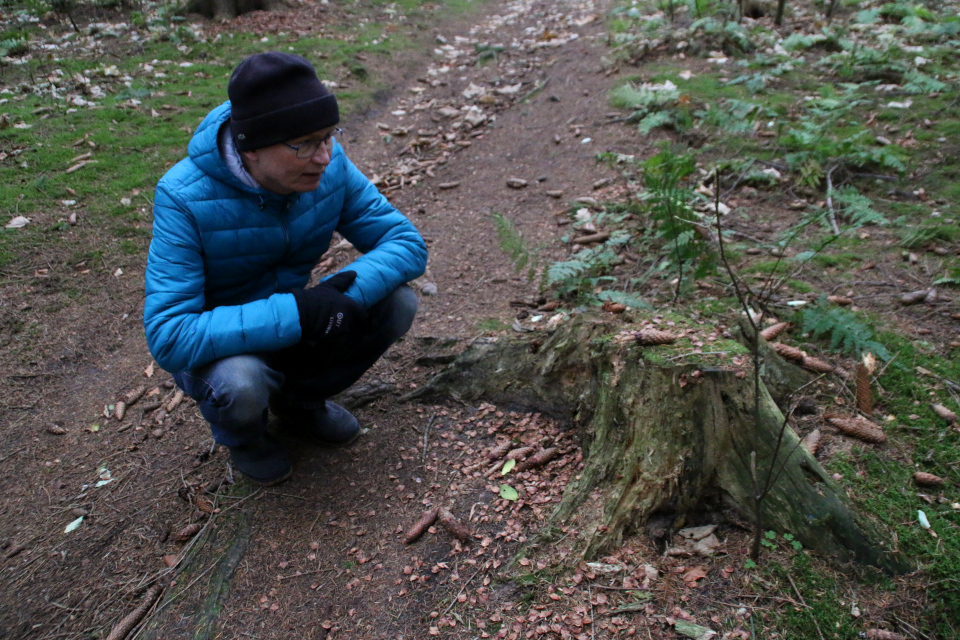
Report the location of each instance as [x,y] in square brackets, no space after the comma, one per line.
[265,462]
[331,426]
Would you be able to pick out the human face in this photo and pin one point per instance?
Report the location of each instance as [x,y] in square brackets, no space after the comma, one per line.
[277,167]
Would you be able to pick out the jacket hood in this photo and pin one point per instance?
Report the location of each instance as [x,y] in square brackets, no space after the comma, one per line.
[205,152]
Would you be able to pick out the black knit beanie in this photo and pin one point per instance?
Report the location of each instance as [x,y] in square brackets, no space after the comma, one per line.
[275,97]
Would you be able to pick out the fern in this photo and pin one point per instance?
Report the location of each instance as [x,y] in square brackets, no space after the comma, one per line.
[922,236]
[846,331]
[652,121]
[858,208]
[563,272]
[512,242]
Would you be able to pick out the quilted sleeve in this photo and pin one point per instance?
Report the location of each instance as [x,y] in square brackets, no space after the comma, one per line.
[180,333]
[394,252]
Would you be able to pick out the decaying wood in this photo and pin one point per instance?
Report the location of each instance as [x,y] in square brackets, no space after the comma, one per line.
[418,529]
[539,459]
[659,442]
[454,526]
[775,330]
[858,427]
[924,479]
[945,413]
[811,442]
[125,626]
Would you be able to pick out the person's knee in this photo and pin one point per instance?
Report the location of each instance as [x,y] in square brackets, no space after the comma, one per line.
[243,389]
[396,313]
[402,309]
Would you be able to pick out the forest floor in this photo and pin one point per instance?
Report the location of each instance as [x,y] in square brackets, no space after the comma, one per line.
[492,130]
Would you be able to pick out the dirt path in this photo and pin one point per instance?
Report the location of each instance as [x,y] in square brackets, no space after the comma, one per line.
[323,555]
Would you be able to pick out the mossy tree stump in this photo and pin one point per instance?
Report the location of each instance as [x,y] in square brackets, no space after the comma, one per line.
[663,439]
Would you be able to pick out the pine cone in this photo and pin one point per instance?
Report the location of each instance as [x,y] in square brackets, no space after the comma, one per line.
[174,401]
[945,413]
[188,532]
[774,330]
[864,390]
[614,307]
[418,529]
[858,428]
[134,394]
[843,301]
[650,336]
[818,365]
[520,453]
[925,479]
[539,459]
[788,352]
[120,410]
[811,442]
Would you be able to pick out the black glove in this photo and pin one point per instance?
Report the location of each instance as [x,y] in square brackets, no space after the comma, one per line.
[326,313]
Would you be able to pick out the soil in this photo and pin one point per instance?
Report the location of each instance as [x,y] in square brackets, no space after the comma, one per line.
[323,555]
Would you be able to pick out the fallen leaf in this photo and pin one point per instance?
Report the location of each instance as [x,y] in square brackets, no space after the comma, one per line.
[73,525]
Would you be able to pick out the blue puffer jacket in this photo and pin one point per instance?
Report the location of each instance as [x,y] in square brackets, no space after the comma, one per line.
[224,257]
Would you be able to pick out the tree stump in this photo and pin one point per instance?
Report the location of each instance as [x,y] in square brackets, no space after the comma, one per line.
[662,440]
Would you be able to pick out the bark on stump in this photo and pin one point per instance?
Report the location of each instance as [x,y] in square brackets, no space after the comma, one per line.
[660,442]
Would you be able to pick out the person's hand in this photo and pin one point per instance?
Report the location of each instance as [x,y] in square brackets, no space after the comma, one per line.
[326,313]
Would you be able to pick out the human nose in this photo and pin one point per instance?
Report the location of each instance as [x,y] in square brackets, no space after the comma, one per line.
[321,155]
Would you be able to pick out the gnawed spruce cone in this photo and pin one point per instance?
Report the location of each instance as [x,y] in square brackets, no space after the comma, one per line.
[924,479]
[788,352]
[454,526]
[858,427]
[188,532]
[775,330]
[811,441]
[650,336]
[945,413]
[614,307]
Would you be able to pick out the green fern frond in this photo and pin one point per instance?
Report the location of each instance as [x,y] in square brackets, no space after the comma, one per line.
[858,208]
[847,333]
[511,241]
[621,297]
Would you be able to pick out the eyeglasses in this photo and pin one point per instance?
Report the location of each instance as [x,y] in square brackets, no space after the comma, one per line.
[307,148]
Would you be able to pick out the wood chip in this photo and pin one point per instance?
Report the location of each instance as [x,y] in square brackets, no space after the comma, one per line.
[554,193]
[914,297]
[516,183]
[448,185]
[602,182]
[80,165]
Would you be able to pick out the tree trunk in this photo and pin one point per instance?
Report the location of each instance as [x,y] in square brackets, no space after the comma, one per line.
[229,9]
[661,441]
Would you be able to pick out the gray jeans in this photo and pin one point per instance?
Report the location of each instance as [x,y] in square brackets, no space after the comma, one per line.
[236,393]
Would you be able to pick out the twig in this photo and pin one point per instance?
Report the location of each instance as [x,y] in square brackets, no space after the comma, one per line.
[833,217]
[426,437]
[454,600]
[800,595]
[305,573]
[700,353]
